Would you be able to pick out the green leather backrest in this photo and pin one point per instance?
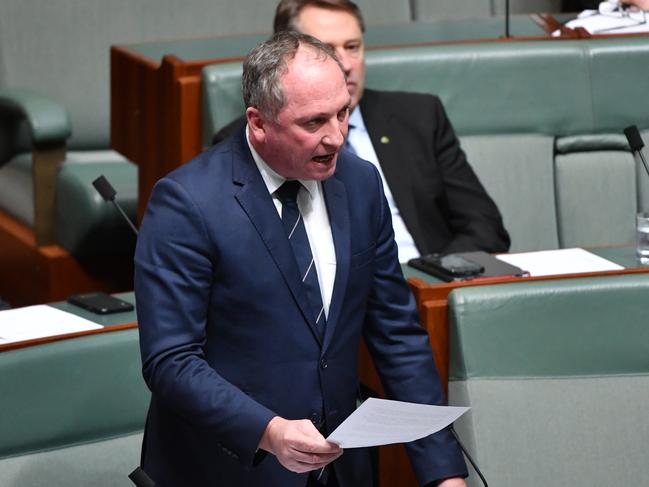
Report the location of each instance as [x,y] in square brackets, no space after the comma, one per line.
[86,224]
[596,198]
[619,68]
[554,87]
[222,100]
[494,88]
[560,328]
[519,168]
[72,391]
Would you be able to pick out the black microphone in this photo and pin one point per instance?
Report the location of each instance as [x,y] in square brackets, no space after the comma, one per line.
[140,478]
[635,143]
[466,454]
[107,192]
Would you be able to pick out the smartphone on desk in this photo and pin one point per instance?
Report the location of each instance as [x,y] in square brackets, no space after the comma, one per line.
[448,267]
[100,303]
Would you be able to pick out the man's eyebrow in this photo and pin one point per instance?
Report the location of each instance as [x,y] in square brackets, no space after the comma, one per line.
[313,116]
[317,115]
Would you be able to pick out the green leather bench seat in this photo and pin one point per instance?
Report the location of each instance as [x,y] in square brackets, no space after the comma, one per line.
[72,412]
[515,105]
[557,376]
[86,224]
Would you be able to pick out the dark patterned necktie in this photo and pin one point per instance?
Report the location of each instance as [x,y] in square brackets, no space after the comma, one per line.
[296,232]
[347,145]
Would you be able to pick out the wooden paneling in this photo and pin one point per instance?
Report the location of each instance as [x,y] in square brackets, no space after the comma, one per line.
[32,274]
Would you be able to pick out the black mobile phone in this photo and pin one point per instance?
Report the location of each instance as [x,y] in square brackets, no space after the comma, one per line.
[447,267]
[100,303]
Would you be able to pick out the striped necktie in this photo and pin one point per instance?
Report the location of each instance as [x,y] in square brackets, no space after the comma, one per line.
[347,145]
[296,232]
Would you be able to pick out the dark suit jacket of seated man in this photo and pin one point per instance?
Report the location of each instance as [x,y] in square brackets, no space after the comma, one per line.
[236,359]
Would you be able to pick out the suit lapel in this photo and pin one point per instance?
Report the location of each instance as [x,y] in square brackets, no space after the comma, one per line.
[255,200]
[338,209]
[387,139]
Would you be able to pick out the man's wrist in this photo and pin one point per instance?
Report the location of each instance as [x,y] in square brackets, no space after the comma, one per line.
[449,482]
[266,442]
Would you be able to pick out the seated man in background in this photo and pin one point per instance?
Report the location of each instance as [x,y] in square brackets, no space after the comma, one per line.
[437,202]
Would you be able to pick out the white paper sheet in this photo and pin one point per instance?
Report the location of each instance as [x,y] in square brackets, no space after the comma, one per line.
[382,422]
[562,261]
[39,321]
[609,21]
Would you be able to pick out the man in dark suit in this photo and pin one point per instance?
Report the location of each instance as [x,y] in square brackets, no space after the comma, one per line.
[437,202]
[259,266]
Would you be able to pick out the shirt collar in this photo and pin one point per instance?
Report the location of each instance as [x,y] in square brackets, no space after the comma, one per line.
[356,119]
[273,180]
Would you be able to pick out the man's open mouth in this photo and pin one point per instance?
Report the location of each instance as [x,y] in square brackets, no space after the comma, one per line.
[325,158]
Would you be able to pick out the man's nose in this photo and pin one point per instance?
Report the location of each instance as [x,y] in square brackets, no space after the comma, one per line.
[336,133]
[343,57]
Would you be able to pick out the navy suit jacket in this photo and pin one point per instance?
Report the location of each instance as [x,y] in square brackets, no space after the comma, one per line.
[441,200]
[227,342]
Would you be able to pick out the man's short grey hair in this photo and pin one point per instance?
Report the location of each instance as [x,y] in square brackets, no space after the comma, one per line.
[265,65]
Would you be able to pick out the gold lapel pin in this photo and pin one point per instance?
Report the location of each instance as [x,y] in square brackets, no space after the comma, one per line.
[385,139]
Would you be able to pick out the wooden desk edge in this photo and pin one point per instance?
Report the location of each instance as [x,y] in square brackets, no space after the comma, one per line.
[427,291]
[56,338]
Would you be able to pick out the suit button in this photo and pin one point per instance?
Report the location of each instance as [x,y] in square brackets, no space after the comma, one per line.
[323,363]
[315,419]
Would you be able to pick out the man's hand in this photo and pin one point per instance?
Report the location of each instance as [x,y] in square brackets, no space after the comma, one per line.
[452,482]
[298,445]
[642,4]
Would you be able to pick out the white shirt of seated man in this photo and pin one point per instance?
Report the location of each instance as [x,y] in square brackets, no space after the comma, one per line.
[361,144]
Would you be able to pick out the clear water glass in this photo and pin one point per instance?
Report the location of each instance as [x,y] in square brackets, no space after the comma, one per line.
[642,238]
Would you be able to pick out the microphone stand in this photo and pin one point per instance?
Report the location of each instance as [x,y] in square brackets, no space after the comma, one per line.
[107,192]
[466,454]
[140,478]
[636,144]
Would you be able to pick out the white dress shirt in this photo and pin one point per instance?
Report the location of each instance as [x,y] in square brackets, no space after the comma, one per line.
[361,143]
[311,203]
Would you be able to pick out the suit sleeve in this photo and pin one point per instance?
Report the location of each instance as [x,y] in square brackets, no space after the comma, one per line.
[174,267]
[401,352]
[473,217]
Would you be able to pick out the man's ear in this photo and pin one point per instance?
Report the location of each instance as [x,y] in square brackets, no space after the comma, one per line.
[256,125]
